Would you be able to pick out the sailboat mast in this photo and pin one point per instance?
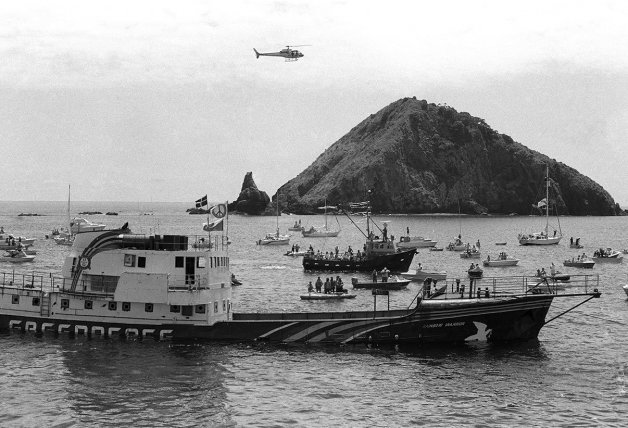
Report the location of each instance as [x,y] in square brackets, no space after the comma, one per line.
[325,214]
[547,202]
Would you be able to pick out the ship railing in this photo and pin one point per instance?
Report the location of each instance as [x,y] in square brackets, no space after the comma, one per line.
[206,242]
[514,286]
[48,282]
[187,283]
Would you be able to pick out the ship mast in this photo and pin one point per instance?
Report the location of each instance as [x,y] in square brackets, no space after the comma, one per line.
[547,202]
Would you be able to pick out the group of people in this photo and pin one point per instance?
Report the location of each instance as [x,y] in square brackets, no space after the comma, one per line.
[385,275]
[501,256]
[331,285]
[336,255]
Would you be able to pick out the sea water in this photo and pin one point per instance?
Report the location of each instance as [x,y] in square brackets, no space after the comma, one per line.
[574,374]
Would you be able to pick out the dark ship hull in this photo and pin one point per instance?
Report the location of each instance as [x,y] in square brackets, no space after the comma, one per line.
[396,262]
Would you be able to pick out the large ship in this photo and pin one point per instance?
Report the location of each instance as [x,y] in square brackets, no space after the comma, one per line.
[116,283]
[377,253]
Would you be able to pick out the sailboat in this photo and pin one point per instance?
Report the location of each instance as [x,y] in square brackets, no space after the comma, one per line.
[542,238]
[66,238]
[313,232]
[276,238]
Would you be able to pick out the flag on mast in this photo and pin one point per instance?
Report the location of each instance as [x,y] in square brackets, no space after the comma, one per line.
[201,202]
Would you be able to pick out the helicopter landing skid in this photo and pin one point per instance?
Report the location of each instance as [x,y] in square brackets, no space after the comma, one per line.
[291,59]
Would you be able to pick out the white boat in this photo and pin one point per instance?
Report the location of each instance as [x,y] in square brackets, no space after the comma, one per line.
[409,242]
[275,238]
[327,296]
[502,260]
[323,232]
[607,255]
[457,245]
[542,238]
[423,274]
[17,256]
[79,225]
[625,287]
[296,253]
[64,240]
[10,242]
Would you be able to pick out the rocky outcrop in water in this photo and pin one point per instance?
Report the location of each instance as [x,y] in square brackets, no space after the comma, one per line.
[251,200]
[417,157]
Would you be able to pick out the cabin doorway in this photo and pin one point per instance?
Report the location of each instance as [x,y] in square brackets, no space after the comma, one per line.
[189,270]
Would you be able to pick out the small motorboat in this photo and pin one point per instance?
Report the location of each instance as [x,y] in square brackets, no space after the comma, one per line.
[295,253]
[579,263]
[422,274]
[17,256]
[607,255]
[470,254]
[436,249]
[500,243]
[235,281]
[502,260]
[328,296]
[393,283]
[296,229]
[78,225]
[625,287]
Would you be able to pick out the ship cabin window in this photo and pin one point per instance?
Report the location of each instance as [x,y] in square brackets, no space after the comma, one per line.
[15,299]
[178,262]
[175,309]
[35,301]
[200,309]
[215,307]
[113,306]
[141,262]
[201,262]
[73,264]
[129,260]
[187,311]
[148,307]
[224,306]
[65,303]
[126,306]
[89,304]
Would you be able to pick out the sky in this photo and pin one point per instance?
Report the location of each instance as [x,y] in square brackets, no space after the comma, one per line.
[165,101]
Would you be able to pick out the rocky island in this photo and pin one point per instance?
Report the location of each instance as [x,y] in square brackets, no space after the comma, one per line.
[416,157]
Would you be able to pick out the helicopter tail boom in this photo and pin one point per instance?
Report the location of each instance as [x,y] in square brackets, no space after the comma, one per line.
[256,53]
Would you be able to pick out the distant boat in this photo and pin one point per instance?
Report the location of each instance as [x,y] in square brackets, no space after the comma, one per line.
[276,238]
[79,225]
[501,260]
[423,274]
[325,232]
[579,263]
[409,242]
[607,255]
[327,296]
[542,238]
[392,284]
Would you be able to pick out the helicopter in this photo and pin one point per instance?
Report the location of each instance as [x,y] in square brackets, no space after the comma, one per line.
[288,53]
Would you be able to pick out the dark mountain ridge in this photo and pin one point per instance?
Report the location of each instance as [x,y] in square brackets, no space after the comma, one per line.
[417,157]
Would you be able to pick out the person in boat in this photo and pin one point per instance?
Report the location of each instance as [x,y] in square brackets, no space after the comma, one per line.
[472,266]
[327,286]
[311,249]
[408,231]
[385,233]
[310,287]
[554,234]
[538,272]
[374,275]
[553,269]
[332,285]
[420,267]
[457,285]
[543,273]
[385,273]
[486,292]
[488,258]
[319,284]
[339,285]
[477,244]
[571,241]
[577,241]
[350,250]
